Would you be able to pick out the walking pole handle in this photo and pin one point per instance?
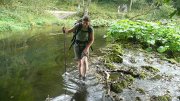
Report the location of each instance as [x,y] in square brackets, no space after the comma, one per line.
[63,29]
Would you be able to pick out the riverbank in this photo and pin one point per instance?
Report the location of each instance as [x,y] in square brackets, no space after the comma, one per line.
[137,75]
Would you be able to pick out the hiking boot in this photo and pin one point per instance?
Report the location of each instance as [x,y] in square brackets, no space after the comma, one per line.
[80,77]
[83,78]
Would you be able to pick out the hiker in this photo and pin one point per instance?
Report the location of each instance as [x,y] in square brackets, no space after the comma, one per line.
[84,37]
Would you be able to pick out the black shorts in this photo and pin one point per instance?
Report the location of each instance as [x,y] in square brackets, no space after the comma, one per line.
[78,51]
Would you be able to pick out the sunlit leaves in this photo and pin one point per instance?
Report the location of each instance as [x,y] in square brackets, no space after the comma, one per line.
[162,49]
[156,35]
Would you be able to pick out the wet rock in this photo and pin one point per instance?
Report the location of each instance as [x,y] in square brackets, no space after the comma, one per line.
[109,66]
[132,60]
[109,58]
[151,69]
[114,76]
[107,97]
[116,97]
[113,53]
[116,49]
[124,82]
[138,99]
[157,77]
[116,87]
[143,75]
[140,90]
[165,97]
[172,61]
[178,98]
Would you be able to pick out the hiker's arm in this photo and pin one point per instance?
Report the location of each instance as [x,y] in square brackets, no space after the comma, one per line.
[70,30]
[91,40]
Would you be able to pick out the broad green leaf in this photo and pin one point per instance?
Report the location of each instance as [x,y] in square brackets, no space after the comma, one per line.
[162,49]
[152,42]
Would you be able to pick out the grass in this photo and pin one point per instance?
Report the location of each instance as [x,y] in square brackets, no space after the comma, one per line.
[20,16]
[20,20]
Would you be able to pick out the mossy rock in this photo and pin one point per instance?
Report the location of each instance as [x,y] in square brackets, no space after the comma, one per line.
[165,97]
[173,61]
[116,87]
[115,58]
[121,84]
[114,76]
[143,75]
[129,78]
[138,99]
[151,69]
[105,59]
[109,66]
[115,48]
[112,58]
[113,53]
[157,77]
[140,90]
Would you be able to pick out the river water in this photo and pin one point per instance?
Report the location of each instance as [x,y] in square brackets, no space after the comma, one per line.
[32,65]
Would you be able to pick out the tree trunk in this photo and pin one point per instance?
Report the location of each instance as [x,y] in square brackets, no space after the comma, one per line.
[130,5]
[86,6]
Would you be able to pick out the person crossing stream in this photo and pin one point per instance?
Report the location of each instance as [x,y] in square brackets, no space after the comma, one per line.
[84,38]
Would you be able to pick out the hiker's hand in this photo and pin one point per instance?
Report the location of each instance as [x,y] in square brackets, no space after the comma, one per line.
[64,30]
[86,51]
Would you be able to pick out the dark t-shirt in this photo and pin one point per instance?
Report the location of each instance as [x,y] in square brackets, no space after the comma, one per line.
[83,33]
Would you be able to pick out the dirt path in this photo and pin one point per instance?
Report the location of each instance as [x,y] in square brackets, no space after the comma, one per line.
[61,14]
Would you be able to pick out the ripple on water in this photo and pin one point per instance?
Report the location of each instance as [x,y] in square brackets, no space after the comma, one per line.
[78,90]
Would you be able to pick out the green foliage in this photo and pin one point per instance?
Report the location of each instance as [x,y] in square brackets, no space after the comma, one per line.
[23,18]
[163,12]
[103,11]
[102,22]
[155,35]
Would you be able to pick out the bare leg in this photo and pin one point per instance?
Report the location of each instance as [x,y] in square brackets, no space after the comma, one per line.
[81,67]
[86,65]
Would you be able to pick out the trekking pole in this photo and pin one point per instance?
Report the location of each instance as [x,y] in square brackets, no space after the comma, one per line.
[64,52]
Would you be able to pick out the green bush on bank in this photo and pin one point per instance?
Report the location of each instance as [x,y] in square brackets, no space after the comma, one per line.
[152,35]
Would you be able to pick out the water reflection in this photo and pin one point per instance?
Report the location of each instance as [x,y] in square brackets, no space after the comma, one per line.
[78,90]
[31,66]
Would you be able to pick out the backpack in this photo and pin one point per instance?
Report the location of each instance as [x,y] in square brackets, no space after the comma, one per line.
[73,40]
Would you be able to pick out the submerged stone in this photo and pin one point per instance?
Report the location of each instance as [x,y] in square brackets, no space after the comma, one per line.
[178,97]
[140,90]
[157,77]
[151,69]
[165,97]
[138,99]
[143,75]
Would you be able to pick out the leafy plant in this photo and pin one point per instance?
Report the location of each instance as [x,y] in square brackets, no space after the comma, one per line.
[155,36]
